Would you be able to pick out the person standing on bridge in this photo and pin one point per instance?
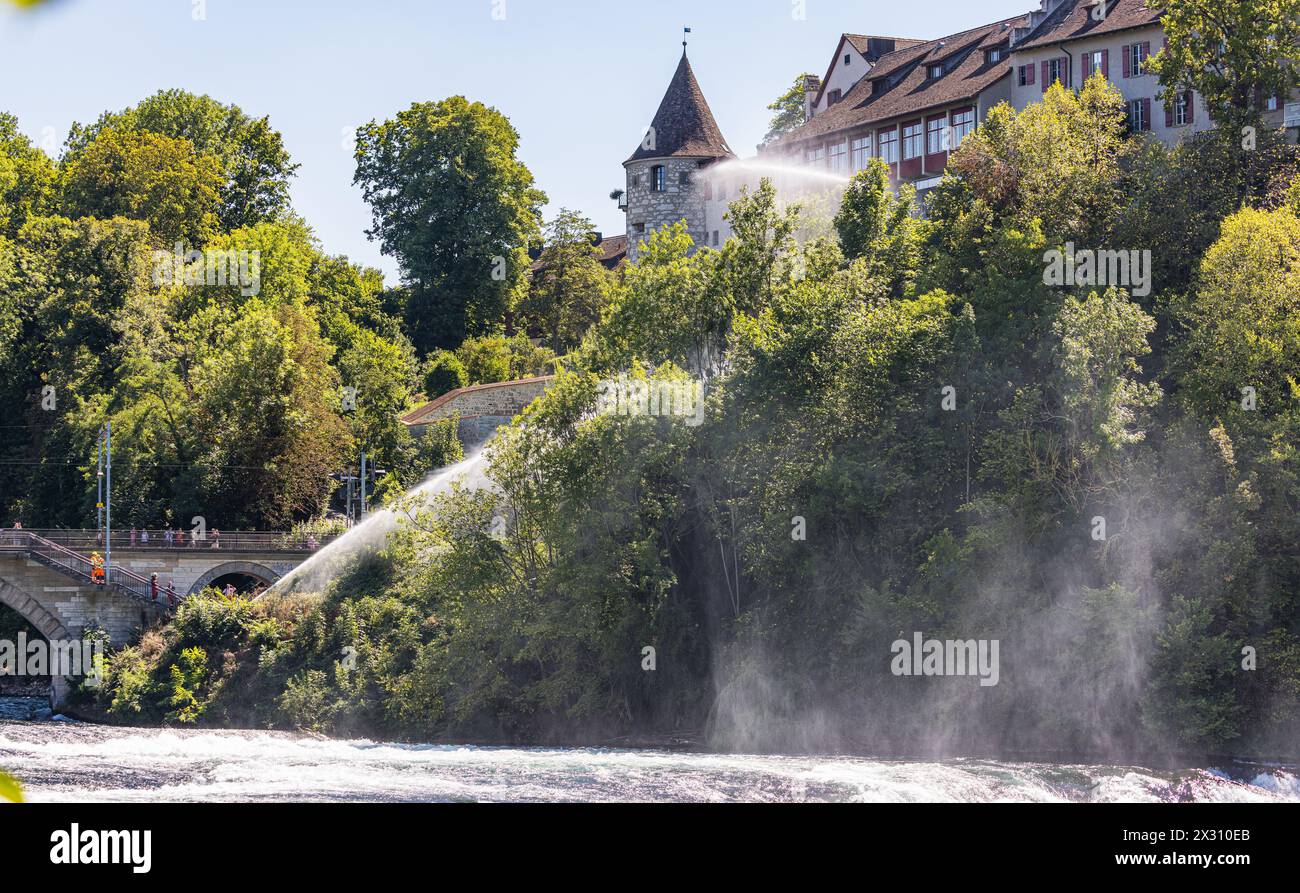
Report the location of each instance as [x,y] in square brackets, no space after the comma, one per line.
[216,538]
[144,536]
[133,537]
[153,587]
[168,537]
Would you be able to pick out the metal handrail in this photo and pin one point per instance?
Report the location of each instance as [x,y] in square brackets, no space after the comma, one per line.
[232,541]
[77,565]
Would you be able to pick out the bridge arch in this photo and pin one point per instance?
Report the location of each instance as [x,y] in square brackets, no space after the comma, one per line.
[50,625]
[252,569]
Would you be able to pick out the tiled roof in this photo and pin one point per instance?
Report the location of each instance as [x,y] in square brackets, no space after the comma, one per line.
[417,415]
[860,41]
[684,125]
[1074,19]
[915,91]
[612,251]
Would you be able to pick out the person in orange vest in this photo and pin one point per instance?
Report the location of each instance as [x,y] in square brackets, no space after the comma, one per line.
[97,568]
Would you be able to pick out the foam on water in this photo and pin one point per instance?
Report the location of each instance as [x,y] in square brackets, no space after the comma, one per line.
[59,762]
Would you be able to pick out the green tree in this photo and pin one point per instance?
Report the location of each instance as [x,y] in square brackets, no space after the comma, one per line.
[881,228]
[570,288]
[1235,53]
[455,206]
[495,358]
[248,151]
[144,176]
[26,177]
[443,372]
[1057,160]
[787,110]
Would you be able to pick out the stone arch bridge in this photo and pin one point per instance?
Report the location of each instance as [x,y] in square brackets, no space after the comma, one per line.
[47,576]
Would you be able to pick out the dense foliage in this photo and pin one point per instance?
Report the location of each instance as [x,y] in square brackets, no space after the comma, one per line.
[907,430]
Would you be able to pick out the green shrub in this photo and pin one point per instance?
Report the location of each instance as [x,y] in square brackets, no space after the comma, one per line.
[188,678]
[306,702]
[443,372]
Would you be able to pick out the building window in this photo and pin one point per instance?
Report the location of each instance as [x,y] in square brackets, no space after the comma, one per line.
[708,190]
[715,238]
[963,124]
[1026,75]
[912,141]
[936,136]
[888,141]
[1271,104]
[833,97]
[1137,58]
[816,157]
[936,71]
[840,158]
[684,179]
[1137,116]
[861,148]
[996,54]
[847,58]
[1094,62]
[658,179]
[1056,71]
[1182,110]
[638,228]
[722,191]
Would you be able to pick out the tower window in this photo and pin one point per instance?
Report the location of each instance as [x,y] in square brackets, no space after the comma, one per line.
[684,179]
[658,179]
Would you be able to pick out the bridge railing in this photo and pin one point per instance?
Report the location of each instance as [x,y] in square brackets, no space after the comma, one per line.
[76,565]
[157,540]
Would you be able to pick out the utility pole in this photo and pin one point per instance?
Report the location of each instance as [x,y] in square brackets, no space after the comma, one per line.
[108,502]
[363,485]
[99,484]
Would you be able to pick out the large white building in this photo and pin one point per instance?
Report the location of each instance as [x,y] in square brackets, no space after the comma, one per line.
[910,102]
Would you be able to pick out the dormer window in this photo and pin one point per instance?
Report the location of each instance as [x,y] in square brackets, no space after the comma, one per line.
[833,97]
[936,71]
[997,54]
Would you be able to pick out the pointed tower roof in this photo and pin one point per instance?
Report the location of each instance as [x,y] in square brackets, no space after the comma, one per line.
[684,125]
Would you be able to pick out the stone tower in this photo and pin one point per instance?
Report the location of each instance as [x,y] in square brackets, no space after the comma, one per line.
[661,174]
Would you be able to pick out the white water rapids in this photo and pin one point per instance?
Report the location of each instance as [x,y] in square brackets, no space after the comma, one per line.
[74,762]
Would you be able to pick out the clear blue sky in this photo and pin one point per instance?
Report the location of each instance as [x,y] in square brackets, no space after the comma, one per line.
[579,79]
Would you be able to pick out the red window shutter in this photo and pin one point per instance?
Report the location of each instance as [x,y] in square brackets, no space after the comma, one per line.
[1146,54]
[1105,64]
[1128,61]
[1191,107]
[1146,114]
[1046,84]
[1169,115]
[1067,73]
[1030,70]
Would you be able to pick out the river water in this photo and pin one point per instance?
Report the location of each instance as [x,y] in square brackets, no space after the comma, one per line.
[67,761]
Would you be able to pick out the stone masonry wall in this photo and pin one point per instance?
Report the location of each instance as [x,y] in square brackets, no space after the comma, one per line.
[656,210]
